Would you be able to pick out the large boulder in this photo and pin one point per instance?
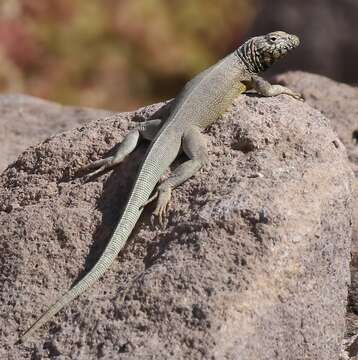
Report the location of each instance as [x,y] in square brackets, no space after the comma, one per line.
[253,262]
[338,102]
[25,121]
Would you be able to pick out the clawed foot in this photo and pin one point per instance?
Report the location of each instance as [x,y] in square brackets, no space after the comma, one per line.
[295,95]
[96,167]
[162,207]
[298,96]
[163,194]
[279,89]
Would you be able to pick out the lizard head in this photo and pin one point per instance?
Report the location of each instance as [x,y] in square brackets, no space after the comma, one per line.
[275,45]
[261,52]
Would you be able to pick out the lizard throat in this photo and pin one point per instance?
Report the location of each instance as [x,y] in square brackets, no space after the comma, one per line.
[248,54]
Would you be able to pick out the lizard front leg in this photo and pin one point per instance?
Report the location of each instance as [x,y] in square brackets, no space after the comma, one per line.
[264,88]
[147,130]
[194,146]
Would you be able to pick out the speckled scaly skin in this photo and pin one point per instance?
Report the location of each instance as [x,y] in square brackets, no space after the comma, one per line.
[200,103]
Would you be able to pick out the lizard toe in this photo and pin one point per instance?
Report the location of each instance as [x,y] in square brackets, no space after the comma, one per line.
[161,210]
[96,167]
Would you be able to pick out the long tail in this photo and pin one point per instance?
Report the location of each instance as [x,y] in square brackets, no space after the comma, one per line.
[139,196]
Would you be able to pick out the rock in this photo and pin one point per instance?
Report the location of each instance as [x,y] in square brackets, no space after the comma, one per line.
[338,102]
[327,29]
[26,120]
[253,263]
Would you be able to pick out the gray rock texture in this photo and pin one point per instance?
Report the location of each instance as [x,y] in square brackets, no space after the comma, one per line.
[25,121]
[253,263]
[338,102]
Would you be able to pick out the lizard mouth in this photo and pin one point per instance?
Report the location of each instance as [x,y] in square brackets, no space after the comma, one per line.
[290,46]
[279,52]
[293,42]
[286,49]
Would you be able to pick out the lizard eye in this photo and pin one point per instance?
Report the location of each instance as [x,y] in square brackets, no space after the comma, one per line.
[273,38]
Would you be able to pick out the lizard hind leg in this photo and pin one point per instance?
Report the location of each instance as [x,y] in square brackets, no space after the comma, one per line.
[194,146]
[146,130]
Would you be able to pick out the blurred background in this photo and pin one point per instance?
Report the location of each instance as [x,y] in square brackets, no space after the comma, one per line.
[122,54]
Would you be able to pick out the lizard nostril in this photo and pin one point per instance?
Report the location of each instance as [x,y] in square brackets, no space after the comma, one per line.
[295,40]
[355,137]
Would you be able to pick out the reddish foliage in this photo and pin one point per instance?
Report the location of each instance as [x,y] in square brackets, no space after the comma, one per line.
[18,44]
[53,9]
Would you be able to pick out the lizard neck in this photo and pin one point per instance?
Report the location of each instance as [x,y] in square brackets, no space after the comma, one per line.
[250,57]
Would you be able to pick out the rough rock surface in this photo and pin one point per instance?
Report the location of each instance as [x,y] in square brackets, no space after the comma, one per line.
[25,121]
[253,263]
[338,102]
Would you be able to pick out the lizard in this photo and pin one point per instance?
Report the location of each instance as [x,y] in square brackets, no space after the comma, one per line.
[201,102]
